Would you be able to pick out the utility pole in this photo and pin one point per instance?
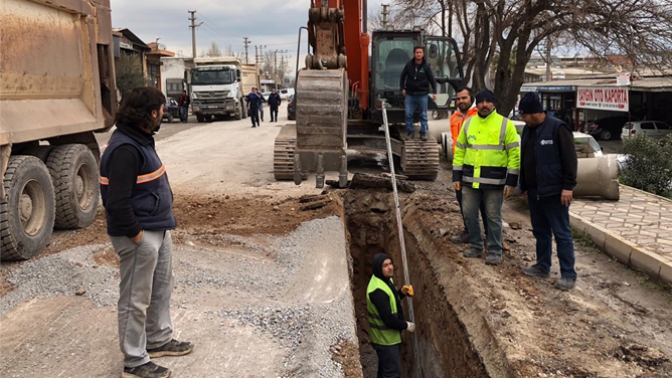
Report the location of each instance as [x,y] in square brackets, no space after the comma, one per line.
[275,65]
[548,59]
[193,27]
[385,13]
[247,42]
[256,54]
[261,54]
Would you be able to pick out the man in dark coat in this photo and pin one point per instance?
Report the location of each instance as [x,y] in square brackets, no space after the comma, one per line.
[253,103]
[547,179]
[274,101]
[416,80]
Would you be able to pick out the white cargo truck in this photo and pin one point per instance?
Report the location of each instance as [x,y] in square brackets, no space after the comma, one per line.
[218,86]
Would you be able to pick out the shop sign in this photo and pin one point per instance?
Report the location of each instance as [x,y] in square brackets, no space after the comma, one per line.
[603,98]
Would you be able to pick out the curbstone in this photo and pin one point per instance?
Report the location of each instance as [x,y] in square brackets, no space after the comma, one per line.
[620,249]
[666,273]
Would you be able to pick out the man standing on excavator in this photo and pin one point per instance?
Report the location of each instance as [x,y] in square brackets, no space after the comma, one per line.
[416,79]
[386,317]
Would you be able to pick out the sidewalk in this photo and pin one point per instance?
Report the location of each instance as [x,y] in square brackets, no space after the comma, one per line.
[636,230]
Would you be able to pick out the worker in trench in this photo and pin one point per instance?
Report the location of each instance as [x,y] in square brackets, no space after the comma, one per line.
[138,204]
[386,317]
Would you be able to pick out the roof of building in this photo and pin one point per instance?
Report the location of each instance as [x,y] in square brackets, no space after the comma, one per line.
[155,50]
[645,84]
[133,38]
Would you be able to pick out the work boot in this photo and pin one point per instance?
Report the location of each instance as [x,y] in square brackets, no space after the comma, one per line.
[461,239]
[148,370]
[536,271]
[171,348]
[410,136]
[472,253]
[565,283]
[493,259]
[423,137]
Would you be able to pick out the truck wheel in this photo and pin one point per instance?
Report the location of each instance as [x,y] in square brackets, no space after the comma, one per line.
[239,114]
[200,118]
[40,152]
[170,118]
[74,172]
[27,210]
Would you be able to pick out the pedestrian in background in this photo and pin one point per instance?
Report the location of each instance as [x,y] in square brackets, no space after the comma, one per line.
[138,205]
[486,167]
[253,107]
[274,101]
[184,102]
[465,110]
[386,317]
[261,100]
[416,80]
[547,179]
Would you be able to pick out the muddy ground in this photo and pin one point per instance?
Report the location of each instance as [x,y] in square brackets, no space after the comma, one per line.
[473,320]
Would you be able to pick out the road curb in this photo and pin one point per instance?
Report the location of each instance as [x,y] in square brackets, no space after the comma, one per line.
[623,250]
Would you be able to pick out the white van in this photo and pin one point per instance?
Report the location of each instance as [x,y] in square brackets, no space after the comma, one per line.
[286,92]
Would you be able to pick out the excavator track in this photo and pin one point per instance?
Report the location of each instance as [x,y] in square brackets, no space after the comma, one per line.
[420,159]
[283,154]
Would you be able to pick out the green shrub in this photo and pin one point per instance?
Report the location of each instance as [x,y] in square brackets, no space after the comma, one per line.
[129,73]
[649,165]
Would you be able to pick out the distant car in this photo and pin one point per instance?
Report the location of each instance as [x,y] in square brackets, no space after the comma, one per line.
[171,110]
[652,129]
[607,128]
[286,92]
[291,108]
[266,94]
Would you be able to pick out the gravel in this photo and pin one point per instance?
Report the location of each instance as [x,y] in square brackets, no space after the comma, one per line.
[63,273]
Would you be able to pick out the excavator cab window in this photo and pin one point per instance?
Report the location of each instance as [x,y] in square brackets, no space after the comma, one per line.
[390,55]
[444,59]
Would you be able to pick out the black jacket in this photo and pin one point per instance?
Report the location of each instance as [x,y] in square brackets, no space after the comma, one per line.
[548,158]
[274,99]
[382,300]
[417,78]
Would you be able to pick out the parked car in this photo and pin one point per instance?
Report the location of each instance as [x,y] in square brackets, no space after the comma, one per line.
[171,110]
[652,129]
[286,92]
[607,128]
[291,108]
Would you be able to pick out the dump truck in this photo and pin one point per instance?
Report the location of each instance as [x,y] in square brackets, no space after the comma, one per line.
[218,86]
[57,87]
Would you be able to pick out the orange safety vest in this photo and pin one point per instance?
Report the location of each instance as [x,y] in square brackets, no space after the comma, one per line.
[457,120]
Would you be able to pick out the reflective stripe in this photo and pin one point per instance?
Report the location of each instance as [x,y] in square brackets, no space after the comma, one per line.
[486,147]
[512,145]
[466,129]
[513,171]
[142,179]
[380,327]
[460,145]
[482,180]
[457,168]
[502,132]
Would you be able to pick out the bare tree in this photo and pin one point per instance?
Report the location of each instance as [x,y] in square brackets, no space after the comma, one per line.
[512,30]
[214,50]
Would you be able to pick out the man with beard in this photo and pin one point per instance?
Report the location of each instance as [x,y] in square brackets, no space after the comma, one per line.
[138,204]
[465,110]
[485,168]
[386,317]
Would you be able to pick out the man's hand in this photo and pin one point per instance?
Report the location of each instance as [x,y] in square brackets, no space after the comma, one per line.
[138,238]
[403,92]
[457,185]
[434,97]
[411,327]
[566,197]
[509,191]
[407,290]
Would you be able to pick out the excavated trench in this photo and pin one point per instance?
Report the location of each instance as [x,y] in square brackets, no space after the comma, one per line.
[443,341]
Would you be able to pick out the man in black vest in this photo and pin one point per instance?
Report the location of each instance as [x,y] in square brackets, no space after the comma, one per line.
[138,204]
[547,178]
[274,101]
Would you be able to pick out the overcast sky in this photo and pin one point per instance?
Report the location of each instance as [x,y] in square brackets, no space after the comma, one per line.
[274,23]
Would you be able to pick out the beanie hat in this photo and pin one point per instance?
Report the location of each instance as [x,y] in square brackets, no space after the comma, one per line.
[530,104]
[485,95]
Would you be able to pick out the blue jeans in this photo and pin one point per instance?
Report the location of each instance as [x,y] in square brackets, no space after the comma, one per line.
[458,194]
[410,103]
[184,113]
[550,217]
[471,202]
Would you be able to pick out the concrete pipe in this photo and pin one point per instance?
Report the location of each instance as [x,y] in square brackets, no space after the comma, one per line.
[598,177]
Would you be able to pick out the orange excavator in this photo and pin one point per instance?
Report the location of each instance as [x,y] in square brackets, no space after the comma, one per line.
[340,93]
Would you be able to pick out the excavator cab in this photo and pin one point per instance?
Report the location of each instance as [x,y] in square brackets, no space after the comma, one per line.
[392,50]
